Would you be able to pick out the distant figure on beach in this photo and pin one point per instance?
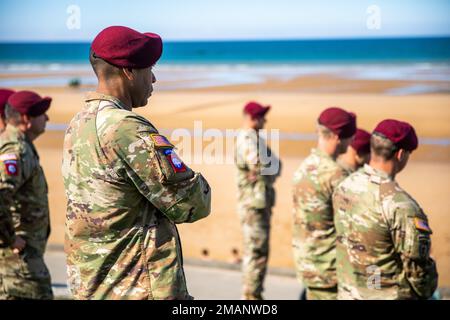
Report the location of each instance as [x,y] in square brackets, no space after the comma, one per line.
[358,152]
[4,95]
[383,237]
[256,197]
[125,185]
[314,234]
[24,210]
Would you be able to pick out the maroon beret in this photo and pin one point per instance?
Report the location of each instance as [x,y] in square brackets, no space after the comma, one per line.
[4,95]
[29,103]
[361,141]
[127,48]
[339,121]
[255,110]
[402,134]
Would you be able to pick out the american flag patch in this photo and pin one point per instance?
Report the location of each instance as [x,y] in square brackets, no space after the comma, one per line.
[421,225]
[8,156]
[160,141]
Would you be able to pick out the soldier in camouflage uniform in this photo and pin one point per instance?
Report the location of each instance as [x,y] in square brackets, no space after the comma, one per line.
[357,154]
[24,212]
[314,181]
[383,237]
[256,197]
[4,95]
[126,187]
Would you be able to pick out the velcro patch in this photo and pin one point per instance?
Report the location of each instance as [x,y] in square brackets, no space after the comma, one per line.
[8,156]
[422,225]
[11,167]
[160,141]
[175,162]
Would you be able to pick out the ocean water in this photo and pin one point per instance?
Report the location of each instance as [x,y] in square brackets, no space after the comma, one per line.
[199,64]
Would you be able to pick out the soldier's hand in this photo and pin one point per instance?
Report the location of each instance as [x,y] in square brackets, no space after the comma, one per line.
[18,245]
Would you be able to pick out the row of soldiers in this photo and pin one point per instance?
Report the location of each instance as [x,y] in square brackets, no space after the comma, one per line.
[127,190]
[356,233]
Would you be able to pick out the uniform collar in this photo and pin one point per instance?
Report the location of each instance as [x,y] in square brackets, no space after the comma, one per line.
[344,165]
[371,171]
[91,96]
[14,131]
[21,136]
[321,154]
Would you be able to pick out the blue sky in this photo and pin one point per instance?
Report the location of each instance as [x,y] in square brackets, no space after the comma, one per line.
[46,20]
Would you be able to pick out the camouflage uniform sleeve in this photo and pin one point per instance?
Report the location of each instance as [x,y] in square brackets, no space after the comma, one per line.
[159,175]
[11,179]
[411,237]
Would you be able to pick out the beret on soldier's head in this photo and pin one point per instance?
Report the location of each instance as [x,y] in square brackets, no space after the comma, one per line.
[4,95]
[339,121]
[29,103]
[127,48]
[361,141]
[256,110]
[402,134]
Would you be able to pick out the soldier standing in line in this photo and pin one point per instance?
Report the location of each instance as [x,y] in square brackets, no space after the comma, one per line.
[24,211]
[314,182]
[383,236]
[256,197]
[358,152]
[126,187]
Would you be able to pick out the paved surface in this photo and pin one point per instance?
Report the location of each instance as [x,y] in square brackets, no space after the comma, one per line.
[204,283]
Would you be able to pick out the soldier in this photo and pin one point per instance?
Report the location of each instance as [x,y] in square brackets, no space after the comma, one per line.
[4,95]
[126,187]
[256,197]
[314,234]
[358,152]
[24,212]
[383,237]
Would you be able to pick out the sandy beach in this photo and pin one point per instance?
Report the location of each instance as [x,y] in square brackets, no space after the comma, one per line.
[296,105]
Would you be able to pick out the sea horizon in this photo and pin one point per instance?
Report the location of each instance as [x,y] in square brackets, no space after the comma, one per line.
[215,63]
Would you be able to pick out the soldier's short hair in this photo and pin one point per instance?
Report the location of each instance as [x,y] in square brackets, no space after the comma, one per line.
[12,116]
[101,67]
[382,146]
[324,131]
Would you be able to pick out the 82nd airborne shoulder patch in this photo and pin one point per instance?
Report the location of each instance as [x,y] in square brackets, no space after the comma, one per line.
[11,167]
[175,162]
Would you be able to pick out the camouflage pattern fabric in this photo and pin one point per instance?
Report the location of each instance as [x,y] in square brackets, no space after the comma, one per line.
[24,212]
[383,240]
[126,190]
[256,197]
[314,234]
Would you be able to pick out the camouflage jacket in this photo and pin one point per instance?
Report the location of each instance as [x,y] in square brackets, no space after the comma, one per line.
[126,189]
[383,240]
[255,189]
[23,188]
[314,235]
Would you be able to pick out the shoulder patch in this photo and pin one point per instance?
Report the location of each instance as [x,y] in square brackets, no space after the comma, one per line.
[11,167]
[160,141]
[175,161]
[422,225]
[8,156]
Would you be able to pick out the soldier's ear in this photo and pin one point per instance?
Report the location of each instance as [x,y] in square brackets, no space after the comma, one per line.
[26,119]
[401,154]
[128,72]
